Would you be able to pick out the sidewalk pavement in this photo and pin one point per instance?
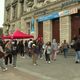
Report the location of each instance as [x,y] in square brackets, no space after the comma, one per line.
[61,69]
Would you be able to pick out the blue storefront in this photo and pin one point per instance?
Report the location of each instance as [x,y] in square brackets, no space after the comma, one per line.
[51,16]
[54,17]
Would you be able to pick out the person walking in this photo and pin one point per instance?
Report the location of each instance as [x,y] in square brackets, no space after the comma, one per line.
[48,52]
[8,53]
[30,47]
[65,47]
[22,49]
[2,55]
[77,49]
[34,54]
[14,52]
[54,47]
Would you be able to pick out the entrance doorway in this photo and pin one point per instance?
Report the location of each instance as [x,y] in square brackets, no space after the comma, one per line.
[56,30]
[40,29]
[79,31]
[75,25]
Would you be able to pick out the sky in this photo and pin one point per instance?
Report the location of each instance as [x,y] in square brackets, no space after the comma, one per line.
[1,12]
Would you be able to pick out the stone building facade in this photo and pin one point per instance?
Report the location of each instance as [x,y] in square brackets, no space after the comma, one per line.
[59,19]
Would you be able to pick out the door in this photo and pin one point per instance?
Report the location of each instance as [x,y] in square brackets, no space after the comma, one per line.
[75,25]
[40,29]
[55,30]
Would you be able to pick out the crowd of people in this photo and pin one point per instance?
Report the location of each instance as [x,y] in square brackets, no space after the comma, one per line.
[35,49]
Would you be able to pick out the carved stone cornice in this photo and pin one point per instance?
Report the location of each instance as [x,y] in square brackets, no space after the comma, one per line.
[21,1]
[30,4]
[14,3]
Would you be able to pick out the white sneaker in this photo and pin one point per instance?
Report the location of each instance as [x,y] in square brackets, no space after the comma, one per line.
[23,57]
[15,67]
[34,64]
[41,58]
[4,69]
[49,62]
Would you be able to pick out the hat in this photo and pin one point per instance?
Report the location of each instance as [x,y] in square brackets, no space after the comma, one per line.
[33,45]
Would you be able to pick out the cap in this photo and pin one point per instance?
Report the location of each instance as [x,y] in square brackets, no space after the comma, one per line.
[33,45]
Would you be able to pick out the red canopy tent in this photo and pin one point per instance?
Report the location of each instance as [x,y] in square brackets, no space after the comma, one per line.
[6,36]
[18,35]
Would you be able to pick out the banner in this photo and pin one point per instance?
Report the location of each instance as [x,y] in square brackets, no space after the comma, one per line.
[32,25]
[68,12]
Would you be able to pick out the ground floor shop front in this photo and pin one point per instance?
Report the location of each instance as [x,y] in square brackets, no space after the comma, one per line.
[61,28]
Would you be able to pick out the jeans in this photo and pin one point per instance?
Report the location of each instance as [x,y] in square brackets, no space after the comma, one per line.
[2,63]
[14,60]
[65,52]
[77,55]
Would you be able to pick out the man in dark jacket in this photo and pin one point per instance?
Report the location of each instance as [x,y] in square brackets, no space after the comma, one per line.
[14,52]
[77,49]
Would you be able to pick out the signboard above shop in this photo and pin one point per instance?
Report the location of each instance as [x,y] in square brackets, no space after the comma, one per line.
[68,12]
[48,17]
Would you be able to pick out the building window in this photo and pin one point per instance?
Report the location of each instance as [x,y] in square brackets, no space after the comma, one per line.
[15,12]
[22,8]
[28,27]
[8,15]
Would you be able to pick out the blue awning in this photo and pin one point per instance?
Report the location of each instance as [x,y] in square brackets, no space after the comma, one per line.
[48,17]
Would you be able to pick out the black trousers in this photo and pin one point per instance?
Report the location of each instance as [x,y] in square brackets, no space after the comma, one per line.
[47,56]
[8,58]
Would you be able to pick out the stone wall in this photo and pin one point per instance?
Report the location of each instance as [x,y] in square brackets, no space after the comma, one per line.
[65,29]
[47,31]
